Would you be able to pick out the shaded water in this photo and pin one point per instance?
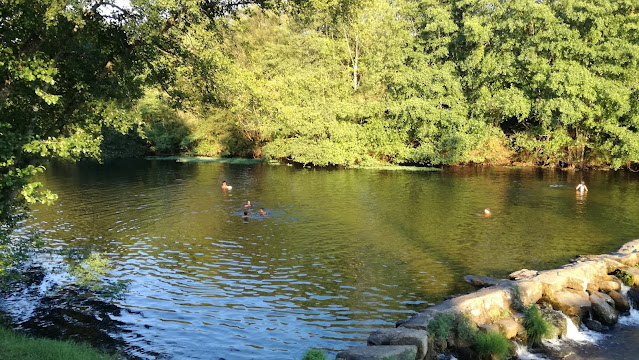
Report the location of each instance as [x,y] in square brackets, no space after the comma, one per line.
[340,253]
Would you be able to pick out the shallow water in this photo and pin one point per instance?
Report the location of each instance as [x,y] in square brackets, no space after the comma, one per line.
[339,254]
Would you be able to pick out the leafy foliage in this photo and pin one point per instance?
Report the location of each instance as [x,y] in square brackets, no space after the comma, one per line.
[70,70]
[626,277]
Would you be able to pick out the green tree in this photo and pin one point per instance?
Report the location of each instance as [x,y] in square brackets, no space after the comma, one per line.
[559,77]
[67,70]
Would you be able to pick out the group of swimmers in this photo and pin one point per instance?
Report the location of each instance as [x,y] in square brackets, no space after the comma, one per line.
[581,188]
[247,206]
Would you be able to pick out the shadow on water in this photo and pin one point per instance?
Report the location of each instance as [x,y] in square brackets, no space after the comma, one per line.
[35,308]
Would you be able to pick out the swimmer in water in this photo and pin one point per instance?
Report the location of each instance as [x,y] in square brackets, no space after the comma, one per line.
[582,188]
[248,204]
[486,213]
[262,212]
[245,215]
[225,186]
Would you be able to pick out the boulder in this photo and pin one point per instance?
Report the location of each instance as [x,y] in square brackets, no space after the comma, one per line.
[419,321]
[530,291]
[523,274]
[621,304]
[401,336]
[509,327]
[608,285]
[611,263]
[602,310]
[627,253]
[633,297]
[551,282]
[480,306]
[571,302]
[387,352]
[485,281]
[592,286]
[595,325]
[558,321]
[579,275]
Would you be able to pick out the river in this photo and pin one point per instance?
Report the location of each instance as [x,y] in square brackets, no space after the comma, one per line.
[339,253]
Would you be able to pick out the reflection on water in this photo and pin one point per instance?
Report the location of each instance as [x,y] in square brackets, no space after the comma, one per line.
[338,254]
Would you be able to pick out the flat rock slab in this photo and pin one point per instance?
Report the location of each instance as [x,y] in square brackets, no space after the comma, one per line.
[420,320]
[486,281]
[571,303]
[401,336]
[385,352]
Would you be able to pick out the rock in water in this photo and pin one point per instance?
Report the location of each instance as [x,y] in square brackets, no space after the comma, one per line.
[602,310]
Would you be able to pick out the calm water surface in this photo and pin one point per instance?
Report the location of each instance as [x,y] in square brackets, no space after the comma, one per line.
[340,253]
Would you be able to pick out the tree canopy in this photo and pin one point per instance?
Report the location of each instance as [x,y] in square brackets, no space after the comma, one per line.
[414,82]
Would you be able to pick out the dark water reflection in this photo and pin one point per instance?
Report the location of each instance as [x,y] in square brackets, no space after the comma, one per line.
[339,254]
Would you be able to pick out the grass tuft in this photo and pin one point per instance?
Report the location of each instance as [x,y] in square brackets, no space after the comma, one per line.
[441,326]
[536,327]
[493,344]
[314,354]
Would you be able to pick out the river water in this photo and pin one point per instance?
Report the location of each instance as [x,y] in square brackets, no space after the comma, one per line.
[339,254]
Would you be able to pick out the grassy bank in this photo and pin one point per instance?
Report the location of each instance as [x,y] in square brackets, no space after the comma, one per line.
[14,345]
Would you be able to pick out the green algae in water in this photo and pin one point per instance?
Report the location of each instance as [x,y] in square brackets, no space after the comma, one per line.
[203,159]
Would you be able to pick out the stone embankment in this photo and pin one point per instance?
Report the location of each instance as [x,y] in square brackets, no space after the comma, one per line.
[589,290]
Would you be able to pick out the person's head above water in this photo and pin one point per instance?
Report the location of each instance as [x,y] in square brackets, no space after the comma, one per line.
[487,212]
[262,212]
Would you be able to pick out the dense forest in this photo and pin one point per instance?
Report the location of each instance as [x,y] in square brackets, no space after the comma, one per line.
[320,82]
[405,82]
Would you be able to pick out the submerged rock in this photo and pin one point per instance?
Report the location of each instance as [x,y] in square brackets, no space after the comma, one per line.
[595,325]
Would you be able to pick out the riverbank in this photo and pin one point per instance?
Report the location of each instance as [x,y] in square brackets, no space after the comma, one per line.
[14,345]
[511,163]
[594,292]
